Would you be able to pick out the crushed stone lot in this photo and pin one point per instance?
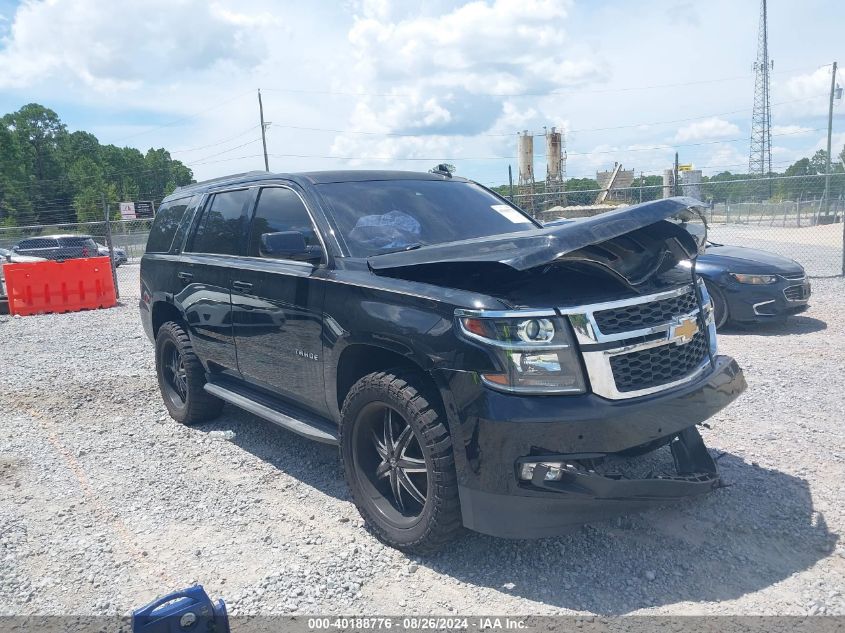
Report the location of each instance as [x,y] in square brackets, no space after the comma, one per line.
[106,503]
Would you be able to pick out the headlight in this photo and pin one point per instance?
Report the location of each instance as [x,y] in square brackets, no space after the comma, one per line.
[709,317]
[756,280]
[535,354]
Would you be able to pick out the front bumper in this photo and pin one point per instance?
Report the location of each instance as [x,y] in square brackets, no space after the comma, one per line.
[747,303]
[501,430]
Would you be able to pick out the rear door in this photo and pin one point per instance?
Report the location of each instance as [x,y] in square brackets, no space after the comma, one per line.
[277,305]
[205,272]
[75,247]
[161,261]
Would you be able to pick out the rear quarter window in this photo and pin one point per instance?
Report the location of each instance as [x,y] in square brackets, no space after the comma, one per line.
[164,227]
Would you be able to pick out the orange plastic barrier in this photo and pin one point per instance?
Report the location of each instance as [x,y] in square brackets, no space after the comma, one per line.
[68,286]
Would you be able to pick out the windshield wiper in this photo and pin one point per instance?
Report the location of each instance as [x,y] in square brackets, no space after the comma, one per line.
[410,247]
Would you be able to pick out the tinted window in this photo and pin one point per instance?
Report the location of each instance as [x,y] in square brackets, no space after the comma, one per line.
[77,241]
[38,242]
[393,215]
[279,210]
[221,224]
[165,224]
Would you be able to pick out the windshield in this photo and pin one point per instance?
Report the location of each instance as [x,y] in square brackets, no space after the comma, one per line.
[383,216]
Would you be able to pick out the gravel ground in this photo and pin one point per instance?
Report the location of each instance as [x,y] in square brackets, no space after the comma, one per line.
[105,502]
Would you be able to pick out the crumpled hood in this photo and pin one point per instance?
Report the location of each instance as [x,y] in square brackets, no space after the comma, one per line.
[749,260]
[528,249]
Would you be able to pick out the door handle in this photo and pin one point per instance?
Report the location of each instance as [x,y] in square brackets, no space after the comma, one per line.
[243,286]
[184,276]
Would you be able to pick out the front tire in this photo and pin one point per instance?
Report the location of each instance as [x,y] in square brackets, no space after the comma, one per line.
[399,463]
[181,377]
[720,307]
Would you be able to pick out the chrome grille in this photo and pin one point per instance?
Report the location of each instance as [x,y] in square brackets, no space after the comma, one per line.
[795,277]
[644,315]
[643,345]
[656,366]
[795,293]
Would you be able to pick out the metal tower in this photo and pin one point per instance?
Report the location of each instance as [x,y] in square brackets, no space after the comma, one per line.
[555,168]
[525,166]
[760,156]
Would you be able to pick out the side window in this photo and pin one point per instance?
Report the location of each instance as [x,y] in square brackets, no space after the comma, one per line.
[219,229]
[39,242]
[279,210]
[164,226]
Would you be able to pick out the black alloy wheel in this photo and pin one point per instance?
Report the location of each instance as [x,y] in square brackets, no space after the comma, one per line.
[389,456]
[398,461]
[175,375]
[181,377]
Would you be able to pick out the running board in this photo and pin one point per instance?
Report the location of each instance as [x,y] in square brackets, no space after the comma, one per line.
[312,427]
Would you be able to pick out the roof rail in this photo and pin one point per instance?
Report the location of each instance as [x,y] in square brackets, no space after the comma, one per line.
[254,172]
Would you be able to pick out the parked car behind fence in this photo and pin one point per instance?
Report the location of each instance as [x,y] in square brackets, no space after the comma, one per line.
[58,247]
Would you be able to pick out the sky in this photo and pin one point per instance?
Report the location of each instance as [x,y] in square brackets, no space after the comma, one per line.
[400,85]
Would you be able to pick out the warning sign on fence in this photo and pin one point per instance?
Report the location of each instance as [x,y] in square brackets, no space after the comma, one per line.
[144,209]
[127,210]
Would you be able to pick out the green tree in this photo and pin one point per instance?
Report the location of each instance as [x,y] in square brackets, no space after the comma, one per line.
[575,185]
[49,175]
[818,163]
[39,131]
[15,207]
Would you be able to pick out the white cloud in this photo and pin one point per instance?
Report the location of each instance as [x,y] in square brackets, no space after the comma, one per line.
[112,45]
[182,74]
[805,94]
[449,71]
[791,130]
[725,158]
[712,128]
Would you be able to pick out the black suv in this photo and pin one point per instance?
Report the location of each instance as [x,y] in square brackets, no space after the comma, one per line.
[476,368]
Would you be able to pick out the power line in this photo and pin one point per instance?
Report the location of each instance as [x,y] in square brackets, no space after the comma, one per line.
[508,134]
[182,119]
[526,93]
[221,142]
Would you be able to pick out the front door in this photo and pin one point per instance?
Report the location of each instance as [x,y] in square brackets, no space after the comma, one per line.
[277,305]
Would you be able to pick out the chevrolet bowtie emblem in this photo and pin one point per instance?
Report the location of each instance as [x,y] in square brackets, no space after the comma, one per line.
[683,331]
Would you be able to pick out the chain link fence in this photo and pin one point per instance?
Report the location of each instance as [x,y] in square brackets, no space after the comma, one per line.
[128,241]
[787,215]
[792,216]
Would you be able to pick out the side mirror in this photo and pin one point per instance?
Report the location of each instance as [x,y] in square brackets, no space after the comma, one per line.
[289,245]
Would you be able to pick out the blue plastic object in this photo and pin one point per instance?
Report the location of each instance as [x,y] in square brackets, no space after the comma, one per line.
[186,611]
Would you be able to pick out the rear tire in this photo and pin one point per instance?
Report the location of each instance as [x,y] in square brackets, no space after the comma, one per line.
[181,377]
[399,463]
[721,316]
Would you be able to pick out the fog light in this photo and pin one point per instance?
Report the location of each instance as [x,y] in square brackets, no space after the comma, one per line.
[555,472]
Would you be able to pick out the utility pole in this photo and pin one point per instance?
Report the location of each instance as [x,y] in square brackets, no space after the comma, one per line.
[510,180]
[642,182]
[829,131]
[676,189]
[109,242]
[263,131]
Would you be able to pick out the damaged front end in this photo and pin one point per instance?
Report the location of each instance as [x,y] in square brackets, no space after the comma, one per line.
[633,475]
[633,246]
[606,325]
